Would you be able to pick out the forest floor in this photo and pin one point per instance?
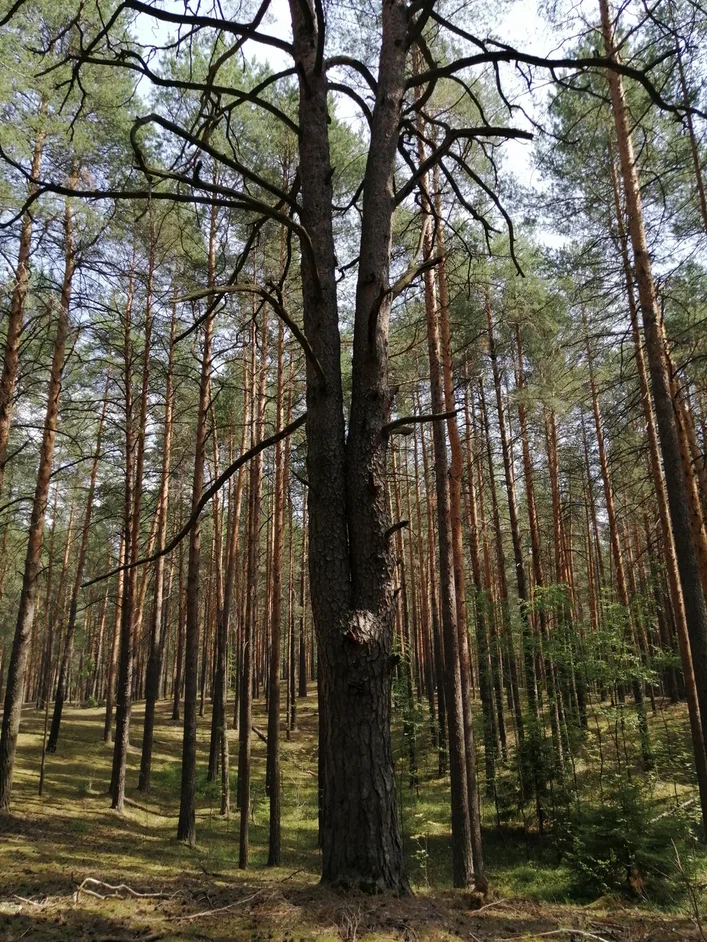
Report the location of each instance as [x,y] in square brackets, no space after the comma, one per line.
[50,845]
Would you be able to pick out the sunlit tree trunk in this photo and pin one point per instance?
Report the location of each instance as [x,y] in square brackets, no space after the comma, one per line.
[73,603]
[15,687]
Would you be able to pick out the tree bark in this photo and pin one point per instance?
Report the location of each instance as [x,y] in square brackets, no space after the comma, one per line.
[73,604]
[14,692]
[693,596]
[158,628]
[8,378]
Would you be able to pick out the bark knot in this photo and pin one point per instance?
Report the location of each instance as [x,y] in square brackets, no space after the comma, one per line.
[362,627]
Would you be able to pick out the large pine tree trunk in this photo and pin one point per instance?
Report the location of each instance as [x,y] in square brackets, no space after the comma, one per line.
[350,559]
[698,720]
[693,596]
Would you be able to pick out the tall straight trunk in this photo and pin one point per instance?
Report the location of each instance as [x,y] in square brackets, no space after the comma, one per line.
[53,607]
[507,635]
[406,644]
[536,555]
[273,752]
[462,854]
[186,829]
[44,691]
[255,492]
[92,685]
[412,569]
[456,471]
[15,319]
[219,679]
[302,688]
[693,596]
[113,654]
[617,552]
[131,539]
[291,616]
[224,629]
[14,692]
[534,745]
[426,643]
[158,628]
[698,718]
[481,609]
[563,574]
[181,629]
[76,589]
[437,659]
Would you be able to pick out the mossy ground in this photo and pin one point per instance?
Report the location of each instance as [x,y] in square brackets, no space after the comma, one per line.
[48,845]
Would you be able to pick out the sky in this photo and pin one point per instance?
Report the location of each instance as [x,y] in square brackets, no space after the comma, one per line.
[520,24]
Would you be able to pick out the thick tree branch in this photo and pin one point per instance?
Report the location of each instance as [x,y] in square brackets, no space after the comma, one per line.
[399,424]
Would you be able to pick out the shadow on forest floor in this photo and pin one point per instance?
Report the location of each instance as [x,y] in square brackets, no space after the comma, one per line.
[49,845]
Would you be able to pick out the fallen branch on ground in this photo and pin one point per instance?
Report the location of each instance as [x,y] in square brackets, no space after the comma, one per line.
[115,892]
[219,909]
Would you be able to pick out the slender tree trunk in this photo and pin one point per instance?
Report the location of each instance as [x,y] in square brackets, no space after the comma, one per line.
[619,567]
[302,690]
[255,491]
[14,693]
[481,609]
[186,829]
[73,604]
[125,656]
[8,378]
[273,753]
[113,656]
[462,853]
[534,746]
[158,632]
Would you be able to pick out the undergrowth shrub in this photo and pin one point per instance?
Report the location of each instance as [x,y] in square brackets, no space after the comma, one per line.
[620,845]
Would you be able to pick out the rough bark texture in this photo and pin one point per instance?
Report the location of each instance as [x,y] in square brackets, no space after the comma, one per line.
[350,564]
[693,596]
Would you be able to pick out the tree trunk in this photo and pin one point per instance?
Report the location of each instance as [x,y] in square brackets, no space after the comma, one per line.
[273,753]
[158,630]
[8,378]
[73,604]
[186,829]
[14,693]
[693,596]
[619,568]
[462,854]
